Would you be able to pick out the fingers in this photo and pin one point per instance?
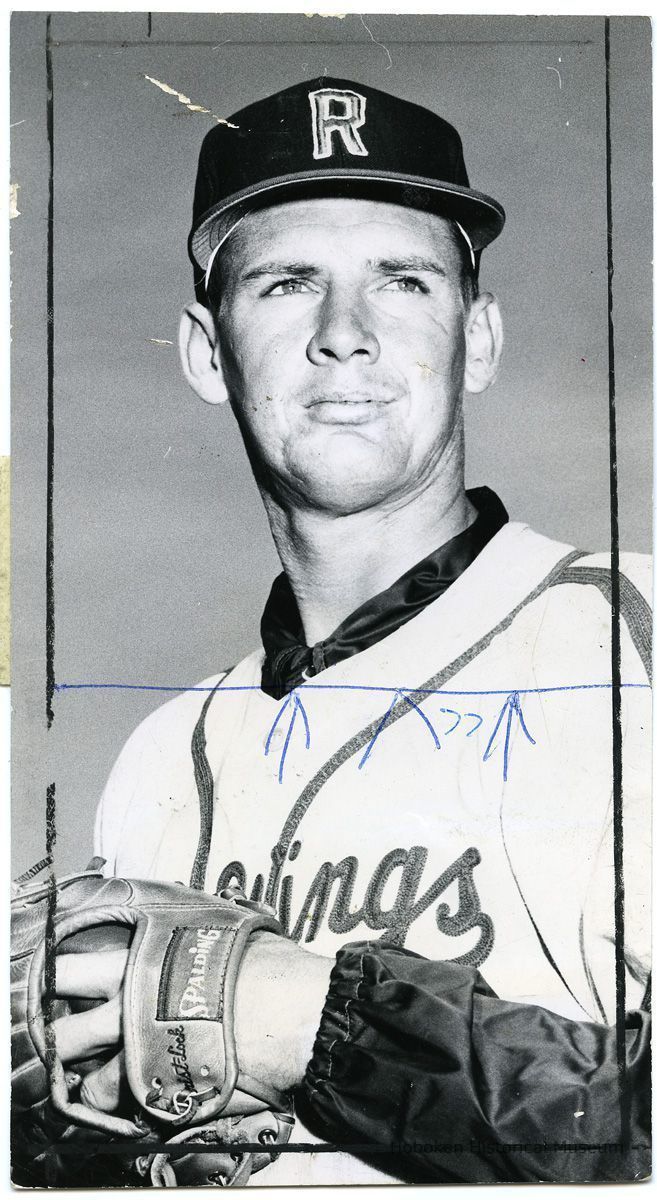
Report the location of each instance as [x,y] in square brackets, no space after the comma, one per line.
[84,1035]
[102,1088]
[95,976]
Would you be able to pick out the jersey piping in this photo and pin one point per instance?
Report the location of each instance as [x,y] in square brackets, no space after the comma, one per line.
[205,788]
[634,607]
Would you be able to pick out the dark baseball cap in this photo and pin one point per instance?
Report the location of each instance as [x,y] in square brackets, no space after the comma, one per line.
[333,137]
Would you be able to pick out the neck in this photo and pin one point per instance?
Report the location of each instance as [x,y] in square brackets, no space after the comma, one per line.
[336,563]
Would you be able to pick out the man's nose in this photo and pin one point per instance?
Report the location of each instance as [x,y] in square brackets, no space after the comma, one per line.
[343,331]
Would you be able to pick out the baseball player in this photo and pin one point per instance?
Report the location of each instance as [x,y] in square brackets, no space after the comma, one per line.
[414,768]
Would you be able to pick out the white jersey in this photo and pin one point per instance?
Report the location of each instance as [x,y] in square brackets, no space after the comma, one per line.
[449,787]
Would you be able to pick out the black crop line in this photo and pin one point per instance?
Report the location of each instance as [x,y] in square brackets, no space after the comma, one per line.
[616,728]
[50,377]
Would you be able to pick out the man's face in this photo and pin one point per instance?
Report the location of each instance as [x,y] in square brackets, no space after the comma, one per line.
[341,331]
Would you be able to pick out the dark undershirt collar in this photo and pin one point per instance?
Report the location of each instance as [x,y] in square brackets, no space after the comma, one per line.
[289,661]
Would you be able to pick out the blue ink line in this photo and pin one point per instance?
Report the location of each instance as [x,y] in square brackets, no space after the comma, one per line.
[302,710]
[297,707]
[379,729]
[419,691]
[516,705]
[346,687]
[287,742]
[507,736]
[489,748]
[147,687]
[477,718]
[511,706]
[426,721]
[277,718]
[453,714]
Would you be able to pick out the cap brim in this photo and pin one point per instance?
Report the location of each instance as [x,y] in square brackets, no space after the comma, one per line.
[481,216]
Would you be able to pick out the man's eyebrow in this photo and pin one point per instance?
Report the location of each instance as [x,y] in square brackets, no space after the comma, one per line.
[385,266]
[410,262]
[281,267]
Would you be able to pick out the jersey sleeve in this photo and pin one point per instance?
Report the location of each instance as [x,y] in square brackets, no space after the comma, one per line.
[419,1066]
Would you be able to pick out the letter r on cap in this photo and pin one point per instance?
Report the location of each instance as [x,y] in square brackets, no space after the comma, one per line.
[337,111]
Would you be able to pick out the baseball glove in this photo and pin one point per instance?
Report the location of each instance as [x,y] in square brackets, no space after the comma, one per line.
[189,1115]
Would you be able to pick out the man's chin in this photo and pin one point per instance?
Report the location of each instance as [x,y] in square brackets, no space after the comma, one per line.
[344,494]
[347,473]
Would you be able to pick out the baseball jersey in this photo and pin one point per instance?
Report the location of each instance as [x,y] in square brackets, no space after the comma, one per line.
[448,789]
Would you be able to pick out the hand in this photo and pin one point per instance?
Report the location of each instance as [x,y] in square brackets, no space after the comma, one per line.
[280,995]
[85,1035]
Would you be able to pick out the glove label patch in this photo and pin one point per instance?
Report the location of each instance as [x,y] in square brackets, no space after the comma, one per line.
[193,971]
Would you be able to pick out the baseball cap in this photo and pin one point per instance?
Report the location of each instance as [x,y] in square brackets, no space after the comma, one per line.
[330,136]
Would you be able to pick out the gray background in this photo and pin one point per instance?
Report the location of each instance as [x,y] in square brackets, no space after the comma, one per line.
[163,558]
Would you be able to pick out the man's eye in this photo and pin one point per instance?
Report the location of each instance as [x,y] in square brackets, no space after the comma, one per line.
[405,283]
[288,287]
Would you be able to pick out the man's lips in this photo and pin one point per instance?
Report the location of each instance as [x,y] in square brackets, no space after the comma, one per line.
[348,408]
[350,397]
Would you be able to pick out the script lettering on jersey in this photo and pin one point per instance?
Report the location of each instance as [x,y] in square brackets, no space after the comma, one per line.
[330,898]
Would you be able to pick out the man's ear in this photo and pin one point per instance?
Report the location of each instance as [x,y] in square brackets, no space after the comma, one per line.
[484,338]
[199,354]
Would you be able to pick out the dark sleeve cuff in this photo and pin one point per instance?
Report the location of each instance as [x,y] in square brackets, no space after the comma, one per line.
[424,1064]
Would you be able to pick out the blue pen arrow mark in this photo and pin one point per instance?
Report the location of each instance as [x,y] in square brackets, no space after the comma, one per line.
[304,717]
[510,708]
[426,720]
[402,694]
[297,707]
[379,729]
[272,731]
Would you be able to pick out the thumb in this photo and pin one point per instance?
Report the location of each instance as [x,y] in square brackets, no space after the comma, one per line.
[102,1089]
